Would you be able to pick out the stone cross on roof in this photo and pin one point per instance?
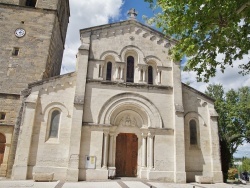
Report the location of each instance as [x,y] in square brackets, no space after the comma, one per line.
[132,14]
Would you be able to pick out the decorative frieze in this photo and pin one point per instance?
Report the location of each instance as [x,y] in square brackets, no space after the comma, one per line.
[136,28]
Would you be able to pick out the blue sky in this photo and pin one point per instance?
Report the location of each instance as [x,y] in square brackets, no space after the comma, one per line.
[88,13]
[142,8]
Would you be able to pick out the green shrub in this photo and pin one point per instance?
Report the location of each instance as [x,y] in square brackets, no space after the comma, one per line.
[231,173]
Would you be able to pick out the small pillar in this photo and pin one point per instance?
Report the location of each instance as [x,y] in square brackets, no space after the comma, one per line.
[144,150]
[144,75]
[111,143]
[105,150]
[151,150]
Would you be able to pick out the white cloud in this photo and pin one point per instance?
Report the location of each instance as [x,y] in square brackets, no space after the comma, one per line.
[230,79]
[243,150]
[86,13]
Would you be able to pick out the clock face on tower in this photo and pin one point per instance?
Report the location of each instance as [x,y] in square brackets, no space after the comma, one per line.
[20,32]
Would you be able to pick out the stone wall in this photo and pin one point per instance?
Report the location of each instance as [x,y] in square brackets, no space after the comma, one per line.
[10,104]
[58,37]
[97,94]
[13,2]
[44,154]
[199,158]
[29,65]
[40,50]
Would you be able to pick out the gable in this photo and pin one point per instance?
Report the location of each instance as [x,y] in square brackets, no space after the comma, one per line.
[120,39]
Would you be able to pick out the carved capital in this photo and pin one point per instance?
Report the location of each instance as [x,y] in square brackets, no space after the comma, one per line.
[144,135]
[151,135]
[106,133]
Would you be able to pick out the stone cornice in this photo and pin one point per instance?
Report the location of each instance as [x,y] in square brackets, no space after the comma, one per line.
[131,85]
[41,82]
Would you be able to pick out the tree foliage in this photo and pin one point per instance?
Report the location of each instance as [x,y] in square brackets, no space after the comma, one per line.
[233,108]
[246,165]
[206,28]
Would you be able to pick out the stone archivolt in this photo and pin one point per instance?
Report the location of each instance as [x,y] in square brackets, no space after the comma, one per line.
[129,101]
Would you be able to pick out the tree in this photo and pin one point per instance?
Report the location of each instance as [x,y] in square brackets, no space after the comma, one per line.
[205,29]
[233,108]
[246,165]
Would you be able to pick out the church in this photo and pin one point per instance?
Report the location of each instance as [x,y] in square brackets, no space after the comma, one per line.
[124,112]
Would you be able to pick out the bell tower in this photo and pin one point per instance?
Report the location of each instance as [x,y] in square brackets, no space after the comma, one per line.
[32,36]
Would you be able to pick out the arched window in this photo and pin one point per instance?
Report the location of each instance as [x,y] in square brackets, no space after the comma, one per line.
[31,3]
[150,75]
[109,71]
[54,124]
[193,132]
[130,69]
[2,147]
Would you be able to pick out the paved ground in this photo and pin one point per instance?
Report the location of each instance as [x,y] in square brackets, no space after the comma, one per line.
[112,184]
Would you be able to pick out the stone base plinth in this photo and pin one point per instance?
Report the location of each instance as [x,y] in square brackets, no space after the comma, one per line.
[93,174]
[19,172]
[204,179]
[44,177]
[166,176]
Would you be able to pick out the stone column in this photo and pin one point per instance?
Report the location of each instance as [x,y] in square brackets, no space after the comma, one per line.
[151,150]
[144,75]
[105,151]
[20,167]
[122,73]
[111,143]
[116,72]
[101,70]
[144,150]
[140,74]
[159,77]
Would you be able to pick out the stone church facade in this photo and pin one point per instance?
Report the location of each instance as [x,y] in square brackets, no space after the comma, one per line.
[124,109]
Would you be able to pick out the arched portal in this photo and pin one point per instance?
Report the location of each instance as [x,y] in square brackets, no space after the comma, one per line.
[2,147]
[126,155]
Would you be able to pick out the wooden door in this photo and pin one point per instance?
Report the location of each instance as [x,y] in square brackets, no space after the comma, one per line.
[2,147]
[126,155]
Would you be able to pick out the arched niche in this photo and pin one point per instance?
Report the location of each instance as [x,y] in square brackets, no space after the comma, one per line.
[132,51]
[107,55]
[153,60]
